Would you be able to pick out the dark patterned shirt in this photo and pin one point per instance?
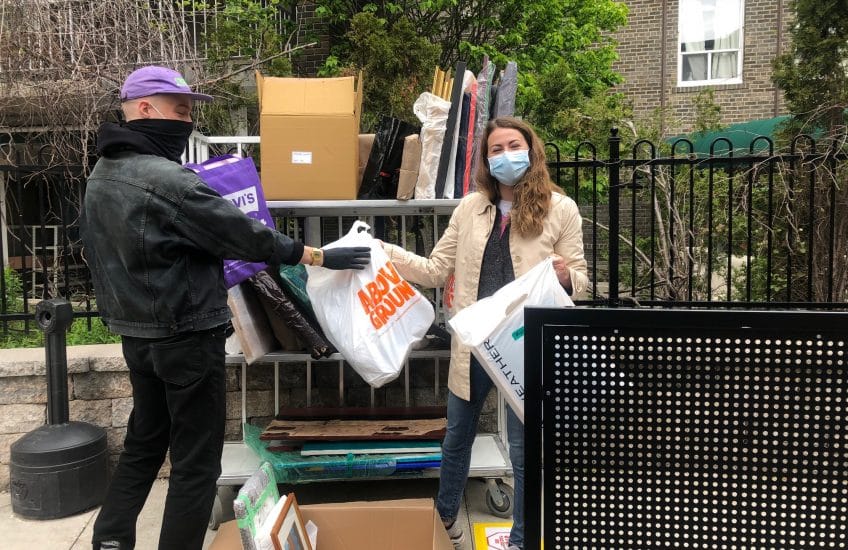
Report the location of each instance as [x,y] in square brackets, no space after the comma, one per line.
[496,270]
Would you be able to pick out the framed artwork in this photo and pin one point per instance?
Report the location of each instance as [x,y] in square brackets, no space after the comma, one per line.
[289,531]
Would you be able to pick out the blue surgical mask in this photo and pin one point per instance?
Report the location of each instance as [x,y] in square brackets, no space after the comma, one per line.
[509,166]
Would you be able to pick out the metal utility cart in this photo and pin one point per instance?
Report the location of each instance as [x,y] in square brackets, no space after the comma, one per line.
[319,222]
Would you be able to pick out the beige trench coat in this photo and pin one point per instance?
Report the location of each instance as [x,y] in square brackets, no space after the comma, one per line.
[460,250]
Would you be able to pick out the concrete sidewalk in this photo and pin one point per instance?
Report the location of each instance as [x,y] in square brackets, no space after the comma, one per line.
[74,533]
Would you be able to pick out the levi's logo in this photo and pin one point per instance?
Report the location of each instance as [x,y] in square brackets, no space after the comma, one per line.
[245,199]
[387,297]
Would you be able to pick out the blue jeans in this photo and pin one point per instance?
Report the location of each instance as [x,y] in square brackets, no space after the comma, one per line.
[456,452]
[179,403]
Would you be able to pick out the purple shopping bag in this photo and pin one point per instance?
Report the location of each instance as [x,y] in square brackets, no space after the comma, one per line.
[236,179]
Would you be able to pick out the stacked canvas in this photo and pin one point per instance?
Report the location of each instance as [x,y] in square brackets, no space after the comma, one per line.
[453,118]
[267,521]
[383,441]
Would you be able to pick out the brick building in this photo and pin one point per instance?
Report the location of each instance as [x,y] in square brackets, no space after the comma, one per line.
[672,49]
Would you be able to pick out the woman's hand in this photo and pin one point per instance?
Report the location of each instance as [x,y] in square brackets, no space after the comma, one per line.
[562,272]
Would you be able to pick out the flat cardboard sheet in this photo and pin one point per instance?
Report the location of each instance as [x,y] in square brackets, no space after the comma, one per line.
[227,537]
[410,161]
[346,430]
[250,323]
[366,142]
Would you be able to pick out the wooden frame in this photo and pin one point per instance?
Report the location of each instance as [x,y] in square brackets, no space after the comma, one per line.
[289,530]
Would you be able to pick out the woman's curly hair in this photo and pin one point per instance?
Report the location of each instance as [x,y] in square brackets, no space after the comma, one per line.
[532,193]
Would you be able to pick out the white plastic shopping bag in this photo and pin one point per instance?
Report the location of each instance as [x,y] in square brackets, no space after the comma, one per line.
[494,328]
[432,111]
[372,316]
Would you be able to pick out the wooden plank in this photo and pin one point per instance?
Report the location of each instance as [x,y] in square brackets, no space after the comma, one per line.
[443,178]
[347,430]
[360,413]
[438,82]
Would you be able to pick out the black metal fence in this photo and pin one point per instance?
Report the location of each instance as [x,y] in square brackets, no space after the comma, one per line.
[664,226]
[42,253]
[729,228]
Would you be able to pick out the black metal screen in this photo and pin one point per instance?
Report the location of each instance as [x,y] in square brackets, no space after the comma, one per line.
[682,429]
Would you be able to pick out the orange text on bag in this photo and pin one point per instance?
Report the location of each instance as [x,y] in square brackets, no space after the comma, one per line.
[385,296]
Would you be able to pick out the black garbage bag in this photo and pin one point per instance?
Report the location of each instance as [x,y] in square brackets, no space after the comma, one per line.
[379,179]
[308,331]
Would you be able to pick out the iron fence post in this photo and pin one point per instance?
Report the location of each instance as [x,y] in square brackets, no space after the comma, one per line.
[614,167]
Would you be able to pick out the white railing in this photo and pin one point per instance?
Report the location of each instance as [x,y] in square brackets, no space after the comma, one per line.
[198,146]
[43,245]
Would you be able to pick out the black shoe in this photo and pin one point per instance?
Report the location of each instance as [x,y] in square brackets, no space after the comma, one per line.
[108,545]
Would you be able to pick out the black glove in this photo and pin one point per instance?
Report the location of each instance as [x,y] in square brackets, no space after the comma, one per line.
[353,257]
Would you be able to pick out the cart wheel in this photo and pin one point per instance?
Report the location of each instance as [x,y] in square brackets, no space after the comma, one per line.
[222,508]
[217,516]
[500,504]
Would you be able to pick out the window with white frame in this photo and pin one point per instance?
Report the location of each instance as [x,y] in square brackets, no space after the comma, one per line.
[710,42]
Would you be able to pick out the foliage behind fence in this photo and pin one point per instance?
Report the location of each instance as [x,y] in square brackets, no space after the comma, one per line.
[750,228]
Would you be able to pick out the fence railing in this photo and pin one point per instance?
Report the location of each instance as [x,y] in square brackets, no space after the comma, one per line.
[753,228]
[663,225]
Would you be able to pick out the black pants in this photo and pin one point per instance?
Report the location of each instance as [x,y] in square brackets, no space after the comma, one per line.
[179,390]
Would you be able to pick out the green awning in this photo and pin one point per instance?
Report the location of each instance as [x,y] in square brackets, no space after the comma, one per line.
[740,135]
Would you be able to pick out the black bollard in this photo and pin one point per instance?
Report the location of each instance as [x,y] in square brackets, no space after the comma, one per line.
[62,468]
[55,317]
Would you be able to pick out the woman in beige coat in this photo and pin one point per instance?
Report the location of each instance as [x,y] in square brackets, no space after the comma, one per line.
[515,219]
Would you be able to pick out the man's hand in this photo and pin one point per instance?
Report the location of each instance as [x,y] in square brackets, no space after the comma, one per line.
[354,257]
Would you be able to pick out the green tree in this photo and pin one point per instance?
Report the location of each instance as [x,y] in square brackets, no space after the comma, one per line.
[396,62]
[813,74]
[563,48]
[242,35]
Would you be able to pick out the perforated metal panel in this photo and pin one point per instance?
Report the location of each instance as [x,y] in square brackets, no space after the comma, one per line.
[668,429]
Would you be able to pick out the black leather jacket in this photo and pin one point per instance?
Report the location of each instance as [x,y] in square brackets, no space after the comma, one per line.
[155,236]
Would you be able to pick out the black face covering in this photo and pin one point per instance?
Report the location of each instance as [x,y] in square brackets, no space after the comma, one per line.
[168,138]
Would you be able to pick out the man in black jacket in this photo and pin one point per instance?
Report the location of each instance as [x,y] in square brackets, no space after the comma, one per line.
[155,238]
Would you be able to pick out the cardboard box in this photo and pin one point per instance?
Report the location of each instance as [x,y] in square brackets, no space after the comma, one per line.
[227,537]
[309,133]
[366,142]
[411,524]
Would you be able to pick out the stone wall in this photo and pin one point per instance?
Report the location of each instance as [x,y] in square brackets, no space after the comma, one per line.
[100,393]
